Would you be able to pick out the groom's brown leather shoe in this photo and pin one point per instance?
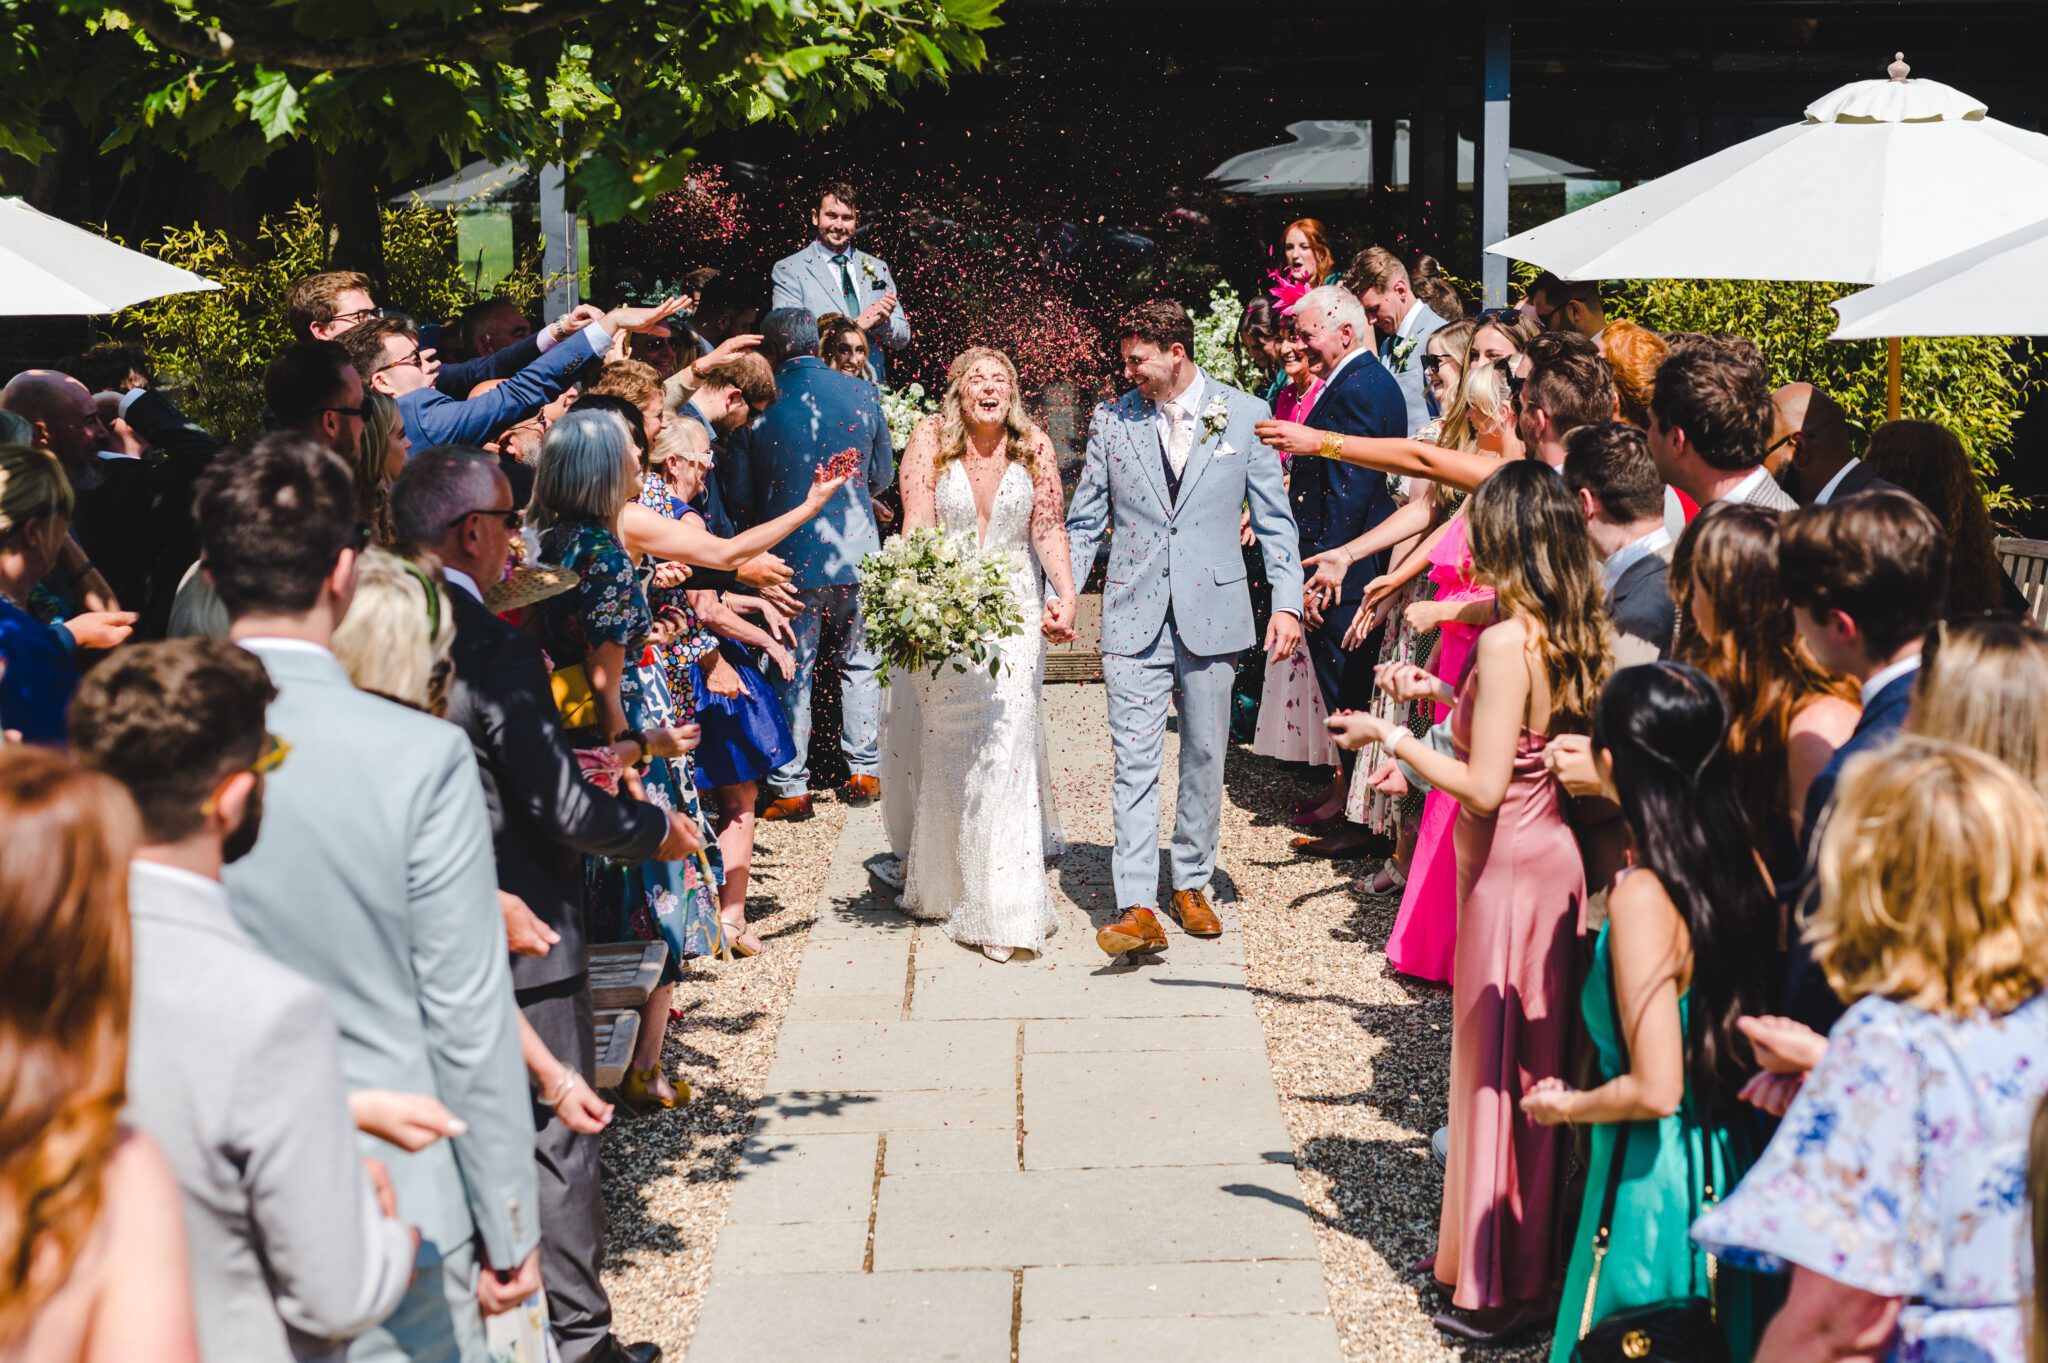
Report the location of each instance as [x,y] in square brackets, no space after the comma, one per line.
[1137,931]
[1191,910]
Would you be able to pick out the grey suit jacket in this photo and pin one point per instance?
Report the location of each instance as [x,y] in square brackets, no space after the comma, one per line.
[1766,492]
[810,281]
[234,1070]
[1422,323]
[373,878]
[1182,554]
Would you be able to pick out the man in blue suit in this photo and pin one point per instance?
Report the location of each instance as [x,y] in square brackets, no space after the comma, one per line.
[1867,577]
[767,471]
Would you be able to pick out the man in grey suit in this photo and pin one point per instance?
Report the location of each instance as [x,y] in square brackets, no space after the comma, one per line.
[1402,321]
[374,879]
[1169,468]
[238,1080]
[1709,418]
[1809,453]
[831,275]
[1609,471]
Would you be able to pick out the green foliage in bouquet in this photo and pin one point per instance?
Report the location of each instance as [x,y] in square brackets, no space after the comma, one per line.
[929,599]
[1216,338]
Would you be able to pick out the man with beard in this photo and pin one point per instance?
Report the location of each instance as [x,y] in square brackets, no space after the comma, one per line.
[296,1245]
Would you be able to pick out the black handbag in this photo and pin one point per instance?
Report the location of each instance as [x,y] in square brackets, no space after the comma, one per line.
[1675,1330]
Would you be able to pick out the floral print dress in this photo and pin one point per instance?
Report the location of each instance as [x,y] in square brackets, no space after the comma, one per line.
[675,902]
[1901,1169]
[681,656]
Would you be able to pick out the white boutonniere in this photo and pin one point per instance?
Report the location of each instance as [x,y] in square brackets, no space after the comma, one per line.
[1215,417]
[1402,351]
[871,270]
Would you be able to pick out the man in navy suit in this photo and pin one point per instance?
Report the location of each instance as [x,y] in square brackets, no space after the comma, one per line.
[1809,452]
[1335,503]
[765,472]
[1867,577]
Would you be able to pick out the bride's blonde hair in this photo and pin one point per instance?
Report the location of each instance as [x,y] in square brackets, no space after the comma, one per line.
[1019,441]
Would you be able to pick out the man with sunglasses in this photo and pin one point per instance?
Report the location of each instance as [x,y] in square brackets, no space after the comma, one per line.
[1568,305]
[296,1242]
[1809,452]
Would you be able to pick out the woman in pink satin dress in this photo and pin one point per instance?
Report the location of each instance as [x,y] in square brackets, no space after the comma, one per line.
[1521,883]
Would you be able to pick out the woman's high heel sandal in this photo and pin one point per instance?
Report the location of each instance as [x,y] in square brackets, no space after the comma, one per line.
[637,1088]
[739,940]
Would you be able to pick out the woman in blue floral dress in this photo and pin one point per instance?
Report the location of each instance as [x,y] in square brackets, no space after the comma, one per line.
[1895,1190]
[617,700]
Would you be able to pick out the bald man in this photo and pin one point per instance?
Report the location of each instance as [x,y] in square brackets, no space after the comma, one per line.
[1809,453]
[64,419]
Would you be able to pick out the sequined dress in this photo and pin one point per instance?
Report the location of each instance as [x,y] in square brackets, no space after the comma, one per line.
[983,827]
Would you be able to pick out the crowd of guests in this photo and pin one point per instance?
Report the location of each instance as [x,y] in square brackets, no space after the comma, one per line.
[371,725]
[1705,758]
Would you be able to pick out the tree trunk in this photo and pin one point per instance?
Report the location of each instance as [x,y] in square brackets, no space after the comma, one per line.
[352,230]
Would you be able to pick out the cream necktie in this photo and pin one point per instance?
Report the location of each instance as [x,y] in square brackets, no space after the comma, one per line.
[1178,441]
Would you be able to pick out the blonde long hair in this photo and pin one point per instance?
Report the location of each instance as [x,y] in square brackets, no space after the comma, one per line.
[1529,543]
[1482,392]
[1020,438]
[400,626]
[63,1014]
[1985,684]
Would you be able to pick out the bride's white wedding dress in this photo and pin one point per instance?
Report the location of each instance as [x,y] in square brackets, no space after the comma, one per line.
[984,817]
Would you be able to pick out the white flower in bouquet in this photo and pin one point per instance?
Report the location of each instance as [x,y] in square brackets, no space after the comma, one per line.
[903,408]
[929,599]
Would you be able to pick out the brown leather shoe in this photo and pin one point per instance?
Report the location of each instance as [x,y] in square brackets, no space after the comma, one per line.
[789,808]
[1137,931]
[1190,909]
[860,790]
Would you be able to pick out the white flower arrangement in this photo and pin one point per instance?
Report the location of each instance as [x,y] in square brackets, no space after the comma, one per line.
[1215,417]
[1216,335]
[904,408]
[929,600]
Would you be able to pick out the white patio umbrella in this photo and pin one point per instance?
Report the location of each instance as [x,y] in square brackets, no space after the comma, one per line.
[1997,289]
[1332,158]
[1881,178]
[48,268]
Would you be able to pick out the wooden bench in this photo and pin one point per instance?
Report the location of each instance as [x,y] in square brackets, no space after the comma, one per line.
[617,1030]
[623,974]
[2026,563]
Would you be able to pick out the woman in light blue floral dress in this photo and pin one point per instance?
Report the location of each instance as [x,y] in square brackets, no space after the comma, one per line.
[1895,1190]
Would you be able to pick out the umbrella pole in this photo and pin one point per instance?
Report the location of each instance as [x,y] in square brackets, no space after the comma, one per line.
[1891,377]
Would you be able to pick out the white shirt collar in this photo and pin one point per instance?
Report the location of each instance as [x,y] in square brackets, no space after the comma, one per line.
[1740,492]
[1828,489]
[826,253]
[191,882]
[1411,320]
[272,643]
[1879,680]
[117,454]
[1338,367]
[1630,554]
[457,578]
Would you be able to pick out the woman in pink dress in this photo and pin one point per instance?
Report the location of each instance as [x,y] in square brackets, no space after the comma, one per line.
[1521,883]
[1291,710]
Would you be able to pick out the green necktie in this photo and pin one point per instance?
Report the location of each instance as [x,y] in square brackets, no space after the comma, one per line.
[846,286]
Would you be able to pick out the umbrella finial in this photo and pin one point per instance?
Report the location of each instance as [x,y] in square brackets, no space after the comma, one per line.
[1898,70]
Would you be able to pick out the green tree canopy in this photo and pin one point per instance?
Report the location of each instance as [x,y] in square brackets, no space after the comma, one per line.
[615,89]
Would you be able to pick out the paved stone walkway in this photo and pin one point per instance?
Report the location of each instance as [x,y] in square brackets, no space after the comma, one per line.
[1052,1160]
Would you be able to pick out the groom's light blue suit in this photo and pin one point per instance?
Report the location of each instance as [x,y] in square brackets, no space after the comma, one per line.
[1176,611]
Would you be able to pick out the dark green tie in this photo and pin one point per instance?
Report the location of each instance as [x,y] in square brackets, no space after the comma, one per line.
[846,286]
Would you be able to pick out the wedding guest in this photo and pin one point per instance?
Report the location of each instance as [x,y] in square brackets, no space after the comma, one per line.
[37,674]
[1259,333]
[1305,258]
[1300,384]
[378,820]
[379,457]
[1502,333]
[396,637]
[312,389]
[1984,683]
[1866,578]
[1568,305]
[1434,288]
[1445,357]
[1632,353]
[831,274]
[1925,460]
[1892,1192]
[1521,889]
[635,382]
[595,636]
[1674,967]
[92,1232]
[239,1083]
[1609,469]
[1334,505]
[1809,453]
[1561,384]
[544,817]
[1291,711]
[844,346]
[1788,716]
[1710,417]
[769,469]
[1402,322]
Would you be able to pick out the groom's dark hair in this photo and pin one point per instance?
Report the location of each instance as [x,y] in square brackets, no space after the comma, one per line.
[1162,321]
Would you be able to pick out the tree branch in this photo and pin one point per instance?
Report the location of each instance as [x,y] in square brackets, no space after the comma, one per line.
[169,27]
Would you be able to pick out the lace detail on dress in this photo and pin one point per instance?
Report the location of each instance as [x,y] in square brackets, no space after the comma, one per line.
[983,825]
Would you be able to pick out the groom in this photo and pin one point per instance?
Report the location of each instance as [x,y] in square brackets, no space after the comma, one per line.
[1170,468]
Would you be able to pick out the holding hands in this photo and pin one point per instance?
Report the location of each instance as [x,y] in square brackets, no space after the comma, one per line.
[1547,1102]
[1057,620]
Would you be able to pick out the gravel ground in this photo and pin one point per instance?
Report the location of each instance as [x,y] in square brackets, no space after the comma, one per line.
[1361,1058]
[668,1175]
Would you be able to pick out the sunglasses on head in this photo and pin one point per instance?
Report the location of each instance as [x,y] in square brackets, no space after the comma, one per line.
[1492,315]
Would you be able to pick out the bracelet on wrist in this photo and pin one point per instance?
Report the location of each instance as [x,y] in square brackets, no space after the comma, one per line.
[562,1089]
[1393,741]
[1332,446]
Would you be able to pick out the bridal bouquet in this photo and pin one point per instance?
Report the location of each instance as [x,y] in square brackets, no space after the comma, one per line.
[929,598]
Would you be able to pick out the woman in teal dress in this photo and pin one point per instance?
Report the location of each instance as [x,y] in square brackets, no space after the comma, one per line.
[1683,954]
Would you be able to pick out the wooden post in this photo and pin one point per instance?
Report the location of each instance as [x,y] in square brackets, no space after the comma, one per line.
[1892,350]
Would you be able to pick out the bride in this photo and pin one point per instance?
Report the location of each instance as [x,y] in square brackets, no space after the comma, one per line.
[984,820]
